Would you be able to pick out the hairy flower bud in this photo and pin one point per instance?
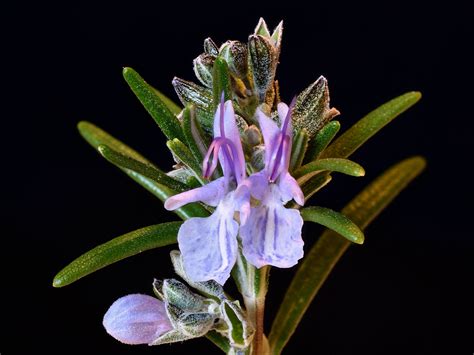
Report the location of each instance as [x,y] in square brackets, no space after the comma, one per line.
[263,61]
[252,136]
[201,97]
[210,47]
[203,68]
[236,55]
[312,110]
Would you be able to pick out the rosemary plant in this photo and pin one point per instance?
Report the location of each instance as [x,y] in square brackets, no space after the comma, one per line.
[246,166]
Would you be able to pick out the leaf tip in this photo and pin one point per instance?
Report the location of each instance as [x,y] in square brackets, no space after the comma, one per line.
[419,161]
[361,172]
[58,282]
[359,238]
[126,71]
[82,125]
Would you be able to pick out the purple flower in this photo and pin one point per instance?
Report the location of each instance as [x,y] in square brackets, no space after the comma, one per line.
[137,319]
[209,245]
[272,233]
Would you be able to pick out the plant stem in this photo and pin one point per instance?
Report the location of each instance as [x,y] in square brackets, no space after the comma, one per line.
[257,282]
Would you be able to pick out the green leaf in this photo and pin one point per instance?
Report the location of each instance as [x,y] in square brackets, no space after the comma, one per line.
[321,140]
[237,329]
[96,136]
[323,256]
[339,165]
[184,155]
[366,127]
[195,138]
[335,221]
[298,150]
[122,247]
[221,81]
[172,106]
[220,341]
[149,171]
[160,112]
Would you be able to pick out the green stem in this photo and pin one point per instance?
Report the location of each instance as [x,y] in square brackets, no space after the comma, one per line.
[257,282]
[253,284]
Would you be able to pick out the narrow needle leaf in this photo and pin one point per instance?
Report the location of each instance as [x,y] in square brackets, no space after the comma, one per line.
[335,221]
[369,125]
[153,103]
[339,165]
[149,171]
[185,156]
[321,140]
[323,256]
[96,136]
[119,248]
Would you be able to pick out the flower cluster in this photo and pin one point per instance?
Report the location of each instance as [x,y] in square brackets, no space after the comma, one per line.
[269,232]
[246,185]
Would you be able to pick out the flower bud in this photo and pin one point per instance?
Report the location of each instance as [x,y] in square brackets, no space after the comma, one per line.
[137,319]
[177,294]
[252,136]
[312,110]
[257,159]
[262,28]
[203,68]
[196,325]
[210,47]
[263,63]
[236,55]
[199,96]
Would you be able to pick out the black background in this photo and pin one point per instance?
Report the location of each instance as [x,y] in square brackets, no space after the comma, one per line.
[407,290]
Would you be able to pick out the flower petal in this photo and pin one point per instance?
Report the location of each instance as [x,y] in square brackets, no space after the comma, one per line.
[257,184]
[290,189]
[282,112]
[137,319]
[272,234]
[210,194]
[270,131]
[231,132]
[242,201]
[209,245]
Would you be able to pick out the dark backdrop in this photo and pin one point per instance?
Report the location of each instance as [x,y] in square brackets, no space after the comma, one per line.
[406,291]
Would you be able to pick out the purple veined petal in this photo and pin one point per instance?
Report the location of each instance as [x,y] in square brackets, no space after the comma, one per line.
[290,189]
[242,201]
[209,245]
[210,194]
[282,109]
[231,132]
[272,234]
[270,132]
[137,319]
[258,184]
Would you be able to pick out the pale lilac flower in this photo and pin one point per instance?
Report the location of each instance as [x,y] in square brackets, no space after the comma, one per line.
[209,245]
[137,319]
[272,233]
